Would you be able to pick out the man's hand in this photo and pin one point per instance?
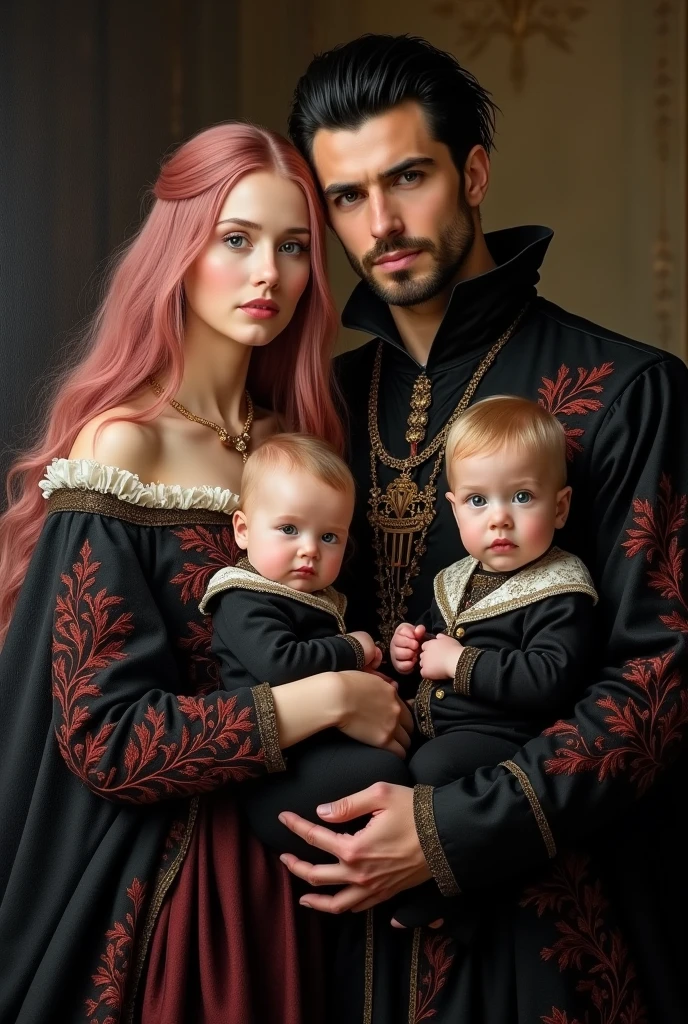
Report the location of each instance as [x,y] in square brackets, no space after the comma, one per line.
[374,864]
[405,645]
[439,657]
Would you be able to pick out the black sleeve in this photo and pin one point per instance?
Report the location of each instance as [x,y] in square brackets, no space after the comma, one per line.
[548,672]
[259,632]
[630,722]
[121,718]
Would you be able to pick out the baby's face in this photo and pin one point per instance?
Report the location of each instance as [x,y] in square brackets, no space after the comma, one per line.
[294,529]
[507,507]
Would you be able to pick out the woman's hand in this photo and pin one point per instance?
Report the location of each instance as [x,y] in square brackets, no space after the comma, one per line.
[372,713]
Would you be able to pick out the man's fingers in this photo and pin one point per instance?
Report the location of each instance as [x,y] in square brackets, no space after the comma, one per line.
[316,835]
[346,899]
[366,801]
[317,874]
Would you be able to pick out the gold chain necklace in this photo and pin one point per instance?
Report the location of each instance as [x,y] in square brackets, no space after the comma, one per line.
[401,515]
[240,442]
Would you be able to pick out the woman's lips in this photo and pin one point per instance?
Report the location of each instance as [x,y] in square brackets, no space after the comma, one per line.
[260,312]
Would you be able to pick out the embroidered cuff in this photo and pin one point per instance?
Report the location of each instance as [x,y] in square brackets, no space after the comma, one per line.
[422,709]
[424,818]
[267,727]
[358,650]
[464,668]
[536,807]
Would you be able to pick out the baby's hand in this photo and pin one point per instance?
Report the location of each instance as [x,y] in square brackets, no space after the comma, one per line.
[371,652]
[439,657]
[405,645]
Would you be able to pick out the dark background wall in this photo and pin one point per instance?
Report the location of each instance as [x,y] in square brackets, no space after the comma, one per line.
[92,94]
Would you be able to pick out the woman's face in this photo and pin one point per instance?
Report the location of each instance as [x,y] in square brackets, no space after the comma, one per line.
[247,282]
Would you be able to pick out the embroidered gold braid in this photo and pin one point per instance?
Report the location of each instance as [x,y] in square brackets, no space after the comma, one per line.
[401,515]
[424,819]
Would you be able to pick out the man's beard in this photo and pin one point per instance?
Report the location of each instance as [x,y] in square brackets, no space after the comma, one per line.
[449,253]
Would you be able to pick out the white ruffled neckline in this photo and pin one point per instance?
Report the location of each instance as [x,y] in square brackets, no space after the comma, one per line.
[89,475]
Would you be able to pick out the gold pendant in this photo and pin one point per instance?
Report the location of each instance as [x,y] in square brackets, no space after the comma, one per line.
[401,512]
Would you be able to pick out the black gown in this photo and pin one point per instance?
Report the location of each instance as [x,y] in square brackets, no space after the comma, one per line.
[573,854]
[130,886]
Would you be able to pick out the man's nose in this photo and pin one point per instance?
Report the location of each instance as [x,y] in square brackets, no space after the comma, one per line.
[385,221]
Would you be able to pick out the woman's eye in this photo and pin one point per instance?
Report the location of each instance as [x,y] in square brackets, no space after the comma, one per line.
[289,530]
[234,241]
[476,501]
[293,248]
[522,497]
[329,538]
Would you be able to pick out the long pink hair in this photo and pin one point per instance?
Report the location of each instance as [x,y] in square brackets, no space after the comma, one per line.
[139,328]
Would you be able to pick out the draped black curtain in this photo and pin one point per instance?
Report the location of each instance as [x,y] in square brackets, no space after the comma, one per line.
[92,94]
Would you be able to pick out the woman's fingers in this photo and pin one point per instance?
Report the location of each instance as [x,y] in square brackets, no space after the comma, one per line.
[402,737]
[406,718]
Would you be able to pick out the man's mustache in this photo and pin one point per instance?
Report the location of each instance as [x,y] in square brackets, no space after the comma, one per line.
[398,244]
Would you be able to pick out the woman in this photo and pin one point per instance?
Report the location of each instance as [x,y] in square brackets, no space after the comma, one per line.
[130,888]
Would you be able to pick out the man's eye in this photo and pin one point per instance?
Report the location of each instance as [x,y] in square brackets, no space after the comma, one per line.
[409,177]
[289,530]
[347,198]
[329,538]
[476,501]
[522,497]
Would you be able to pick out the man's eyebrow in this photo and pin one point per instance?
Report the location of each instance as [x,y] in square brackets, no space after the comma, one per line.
[259,227]
[339,188]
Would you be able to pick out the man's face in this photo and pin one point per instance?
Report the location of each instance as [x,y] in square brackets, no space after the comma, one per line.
[395,199]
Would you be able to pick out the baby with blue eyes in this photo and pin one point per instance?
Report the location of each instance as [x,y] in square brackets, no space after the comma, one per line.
[502,651]
[277,618]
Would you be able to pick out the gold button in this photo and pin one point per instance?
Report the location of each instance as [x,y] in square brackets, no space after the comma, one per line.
[439,694]
[459,631]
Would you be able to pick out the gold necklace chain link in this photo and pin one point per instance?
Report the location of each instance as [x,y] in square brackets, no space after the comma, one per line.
[240,442]
[402,515]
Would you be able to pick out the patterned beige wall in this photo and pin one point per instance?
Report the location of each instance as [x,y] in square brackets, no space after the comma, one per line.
[592,137]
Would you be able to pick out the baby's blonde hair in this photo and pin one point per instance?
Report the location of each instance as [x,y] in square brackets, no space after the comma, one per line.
[297,451]
[508,421]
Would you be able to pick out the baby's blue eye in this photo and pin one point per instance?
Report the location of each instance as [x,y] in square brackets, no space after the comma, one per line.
[289,530]
[522,497]
[329,538]
[477,501]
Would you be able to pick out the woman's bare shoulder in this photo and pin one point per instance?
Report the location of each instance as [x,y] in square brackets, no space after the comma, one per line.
[114,441]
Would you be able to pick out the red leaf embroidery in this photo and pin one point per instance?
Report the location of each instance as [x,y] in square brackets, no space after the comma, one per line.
[433,975]
[587,944]
[656,719]
[219,549]
[562,397]
[86,640]
[112,973]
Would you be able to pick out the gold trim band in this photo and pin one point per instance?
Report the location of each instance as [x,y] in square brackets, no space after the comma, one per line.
[424,818]
[535,805]
[267,727]
[69,499]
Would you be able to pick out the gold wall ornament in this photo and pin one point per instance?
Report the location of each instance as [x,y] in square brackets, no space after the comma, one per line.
[481,21]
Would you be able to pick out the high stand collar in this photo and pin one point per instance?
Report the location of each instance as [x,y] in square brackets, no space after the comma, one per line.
[480,308]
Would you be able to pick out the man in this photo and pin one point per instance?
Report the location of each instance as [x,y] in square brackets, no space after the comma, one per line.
[566,858]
